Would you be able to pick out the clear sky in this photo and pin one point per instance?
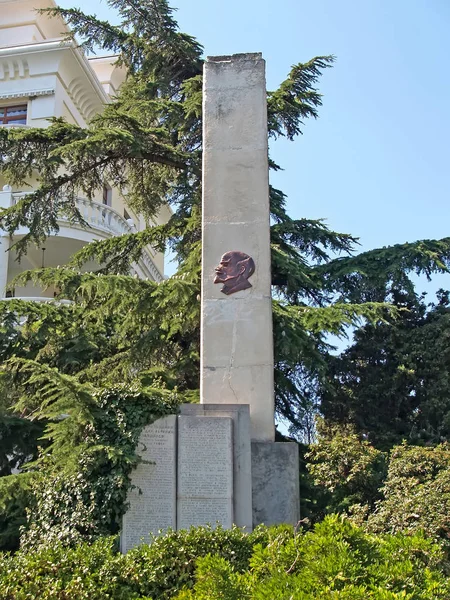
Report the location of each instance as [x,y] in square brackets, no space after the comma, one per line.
[375,164]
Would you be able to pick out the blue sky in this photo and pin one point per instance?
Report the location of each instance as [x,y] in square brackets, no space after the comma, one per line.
[375,164]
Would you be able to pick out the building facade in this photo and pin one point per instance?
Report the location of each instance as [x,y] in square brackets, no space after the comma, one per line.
[42,76]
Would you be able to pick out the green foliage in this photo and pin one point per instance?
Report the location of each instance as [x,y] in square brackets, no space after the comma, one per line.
[18,440]
[349,470]
[97,571]
[392,383]
[416,493]
[16,497]
[168,564]
[336,560]
[59,573]
[377,274]
[296,98]
[406,490]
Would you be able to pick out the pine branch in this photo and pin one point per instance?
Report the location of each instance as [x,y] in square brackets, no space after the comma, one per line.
[91,30]
[146,35]
[296,99]
[89,158]
[47,392]
[375,274]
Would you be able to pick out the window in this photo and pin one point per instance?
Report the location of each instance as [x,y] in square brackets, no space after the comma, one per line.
[107,195]
[125,214]
[13,115]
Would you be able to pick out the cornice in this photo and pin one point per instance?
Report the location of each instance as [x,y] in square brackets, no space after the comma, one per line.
[44,46]
[27,94]
[52,45]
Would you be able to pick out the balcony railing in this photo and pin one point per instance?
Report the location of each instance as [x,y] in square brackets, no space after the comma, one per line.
[98,216]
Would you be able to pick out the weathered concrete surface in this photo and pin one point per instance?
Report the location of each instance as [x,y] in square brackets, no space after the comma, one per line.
[236,330]
[205,471]
[152,501]
[242,463]
[275,480]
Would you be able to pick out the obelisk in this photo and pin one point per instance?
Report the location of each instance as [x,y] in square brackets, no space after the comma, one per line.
[228,469]
[236,312]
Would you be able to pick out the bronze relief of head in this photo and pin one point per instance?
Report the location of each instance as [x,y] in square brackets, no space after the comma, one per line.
[233,271]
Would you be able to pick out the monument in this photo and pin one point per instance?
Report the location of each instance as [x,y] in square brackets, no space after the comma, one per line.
[218,460]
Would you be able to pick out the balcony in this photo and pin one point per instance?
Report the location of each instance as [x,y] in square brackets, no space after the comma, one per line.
[99,217]
[102,222]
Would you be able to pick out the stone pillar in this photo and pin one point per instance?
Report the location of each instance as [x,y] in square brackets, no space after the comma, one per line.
[236,312]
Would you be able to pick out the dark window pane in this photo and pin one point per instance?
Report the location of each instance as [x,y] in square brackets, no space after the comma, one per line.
[16,110]
[16,115]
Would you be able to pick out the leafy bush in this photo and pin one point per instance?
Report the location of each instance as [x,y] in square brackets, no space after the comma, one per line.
[163,568]
[59,573]
[407,490]
[416,493]
[346,469]
[334,560]
[15,497]
[98,571]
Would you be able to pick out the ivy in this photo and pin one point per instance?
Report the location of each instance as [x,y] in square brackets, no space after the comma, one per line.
[81,477]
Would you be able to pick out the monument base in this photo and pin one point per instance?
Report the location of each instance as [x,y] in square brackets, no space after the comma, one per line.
[275,483]
[200,468]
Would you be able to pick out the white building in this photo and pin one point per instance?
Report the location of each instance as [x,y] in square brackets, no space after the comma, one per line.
[42,77]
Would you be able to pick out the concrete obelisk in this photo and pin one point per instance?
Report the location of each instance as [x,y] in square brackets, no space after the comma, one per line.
[217,462]
[236,319]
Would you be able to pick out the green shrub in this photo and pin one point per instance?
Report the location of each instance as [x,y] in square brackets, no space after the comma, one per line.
[16,496]
[347,469]
[98,571]
[334,560]
[60,573]
[166,566]
[416,493]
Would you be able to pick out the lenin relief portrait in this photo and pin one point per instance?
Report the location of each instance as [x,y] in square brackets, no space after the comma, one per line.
[233,271]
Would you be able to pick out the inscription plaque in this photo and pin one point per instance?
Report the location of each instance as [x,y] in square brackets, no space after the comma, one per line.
[152,503]
[205,471]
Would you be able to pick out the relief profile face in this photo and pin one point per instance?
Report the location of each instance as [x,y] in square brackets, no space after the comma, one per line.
[233,271]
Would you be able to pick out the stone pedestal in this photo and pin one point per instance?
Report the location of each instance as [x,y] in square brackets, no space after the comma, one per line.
[275,482]
[199,468]
[236,328]
[196,470]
